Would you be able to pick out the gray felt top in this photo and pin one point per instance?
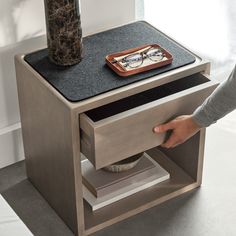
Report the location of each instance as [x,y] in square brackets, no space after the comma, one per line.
[92,76]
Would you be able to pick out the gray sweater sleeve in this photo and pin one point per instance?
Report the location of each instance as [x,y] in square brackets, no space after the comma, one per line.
[221,102]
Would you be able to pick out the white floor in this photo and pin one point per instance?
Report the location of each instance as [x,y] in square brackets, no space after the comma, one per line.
[10,223]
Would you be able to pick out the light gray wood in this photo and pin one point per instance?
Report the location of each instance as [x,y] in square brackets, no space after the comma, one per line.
[51,135]
[202,136]
[179,183]
[128,133]
[189,155]
[51,143]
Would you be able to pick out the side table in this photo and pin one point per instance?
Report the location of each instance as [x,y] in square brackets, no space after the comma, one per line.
[107,128]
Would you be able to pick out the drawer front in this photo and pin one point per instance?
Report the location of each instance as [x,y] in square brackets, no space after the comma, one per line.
[125,134]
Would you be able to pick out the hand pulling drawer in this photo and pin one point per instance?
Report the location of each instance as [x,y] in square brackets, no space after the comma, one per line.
[124,128]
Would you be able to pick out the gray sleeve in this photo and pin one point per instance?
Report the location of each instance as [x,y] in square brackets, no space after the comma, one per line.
[221,102]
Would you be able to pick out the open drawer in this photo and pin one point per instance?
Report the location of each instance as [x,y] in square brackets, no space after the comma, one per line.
[124,128]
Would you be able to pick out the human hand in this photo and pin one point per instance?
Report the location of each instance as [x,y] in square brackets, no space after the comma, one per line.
[183,127]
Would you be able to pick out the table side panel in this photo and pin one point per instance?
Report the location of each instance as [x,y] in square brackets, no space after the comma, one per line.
[49,144]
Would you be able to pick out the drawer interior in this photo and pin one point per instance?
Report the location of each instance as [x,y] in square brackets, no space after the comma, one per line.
[146,97]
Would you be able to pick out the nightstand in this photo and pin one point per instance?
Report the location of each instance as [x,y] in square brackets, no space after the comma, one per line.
[108,124]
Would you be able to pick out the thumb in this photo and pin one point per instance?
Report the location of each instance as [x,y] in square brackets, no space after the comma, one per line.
[163,128]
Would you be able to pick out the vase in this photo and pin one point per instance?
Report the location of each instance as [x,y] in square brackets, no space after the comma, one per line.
[64,33]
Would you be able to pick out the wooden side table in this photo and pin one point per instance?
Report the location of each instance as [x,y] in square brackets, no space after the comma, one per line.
[56,131]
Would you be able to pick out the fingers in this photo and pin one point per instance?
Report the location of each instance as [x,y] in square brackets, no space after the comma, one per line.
[172,141]
[163,128]
[182,127]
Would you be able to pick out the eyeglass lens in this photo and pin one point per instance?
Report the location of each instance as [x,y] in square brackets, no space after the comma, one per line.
[155,54]
[136,60]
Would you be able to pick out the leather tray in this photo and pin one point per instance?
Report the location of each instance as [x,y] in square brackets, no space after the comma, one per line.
[116,66]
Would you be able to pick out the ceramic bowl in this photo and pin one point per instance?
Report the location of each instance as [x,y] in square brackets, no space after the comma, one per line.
[125,164]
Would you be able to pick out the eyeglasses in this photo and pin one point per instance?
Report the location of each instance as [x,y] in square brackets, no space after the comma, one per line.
[136,59]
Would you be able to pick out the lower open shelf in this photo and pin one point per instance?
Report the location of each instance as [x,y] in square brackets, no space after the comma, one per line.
[178,183]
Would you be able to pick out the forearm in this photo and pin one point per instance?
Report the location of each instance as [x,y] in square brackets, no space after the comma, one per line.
[218,104]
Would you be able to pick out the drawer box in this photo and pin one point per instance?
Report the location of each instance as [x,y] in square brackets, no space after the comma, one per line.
[124,128]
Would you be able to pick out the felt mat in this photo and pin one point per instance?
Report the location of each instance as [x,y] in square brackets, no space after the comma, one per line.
[92,76]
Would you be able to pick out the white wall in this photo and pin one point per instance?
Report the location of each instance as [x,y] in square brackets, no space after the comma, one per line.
[22,29]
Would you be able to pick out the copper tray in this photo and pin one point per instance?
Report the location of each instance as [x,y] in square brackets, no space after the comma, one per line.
[120,70]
